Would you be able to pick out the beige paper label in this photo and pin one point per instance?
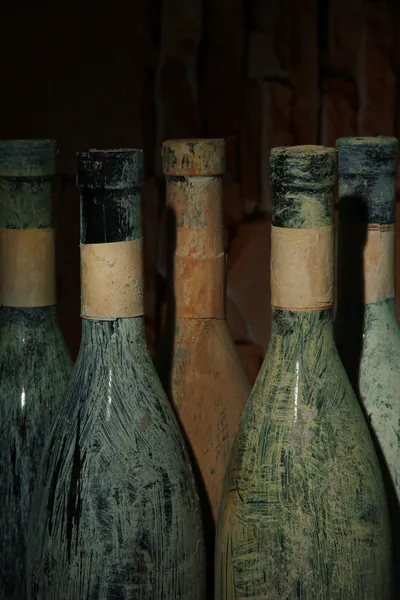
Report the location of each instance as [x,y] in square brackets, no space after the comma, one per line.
[112,280]
[302,268]
[379,263]
[27,267]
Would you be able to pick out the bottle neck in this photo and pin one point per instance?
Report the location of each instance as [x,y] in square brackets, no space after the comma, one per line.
[304,325]
[199,259]
[28,318]
[27,266]
[112,296]
[379,263]
[112,280]
[120,337]
[27,326]
[366,240]
[27,258]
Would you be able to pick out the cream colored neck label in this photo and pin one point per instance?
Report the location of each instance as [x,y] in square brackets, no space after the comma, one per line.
[302,263]
[379,263]
[27,267]
[112,280]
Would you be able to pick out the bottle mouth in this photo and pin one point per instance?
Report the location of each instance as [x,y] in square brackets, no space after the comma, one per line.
[379,140]
[314,148]
[193,157]
[307,166]
[179,141]
[118,169]
[112,150]
[110,155]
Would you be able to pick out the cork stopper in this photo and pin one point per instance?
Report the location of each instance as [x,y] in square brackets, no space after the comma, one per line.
[110,169]
[27,158]
[302,178]
[368,156]
[193,157]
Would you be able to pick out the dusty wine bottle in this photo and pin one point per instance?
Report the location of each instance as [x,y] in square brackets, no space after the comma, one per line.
[197,360]
[303,513]
[116,511]
[366,329]
[367,192]
[34,361]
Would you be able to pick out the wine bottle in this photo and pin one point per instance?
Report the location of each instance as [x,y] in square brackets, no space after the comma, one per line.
[206,383]
[303,512]
[366,329]
[34,361]
[116,511]
[367,333]
[197,360]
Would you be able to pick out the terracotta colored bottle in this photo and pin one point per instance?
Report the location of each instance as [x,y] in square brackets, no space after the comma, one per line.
[303,513]
[34,361]
[197,361]
[116,511]
[367,333]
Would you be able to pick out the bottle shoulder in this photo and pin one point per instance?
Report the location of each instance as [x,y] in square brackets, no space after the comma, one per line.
[116,469]
[206,344]
[302,405]
[35,367]
[119,397]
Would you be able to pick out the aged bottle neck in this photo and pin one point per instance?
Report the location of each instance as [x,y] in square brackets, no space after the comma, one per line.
[366,240]
[302,239]
[310,328]
[26,321]
[120,337]
[27,260]
[199,258]
[111,250]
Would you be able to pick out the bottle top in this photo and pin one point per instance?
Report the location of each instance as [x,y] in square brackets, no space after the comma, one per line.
[193,157]
[27,158]
[302,178]
[303,166]
[110,169]
[367,155]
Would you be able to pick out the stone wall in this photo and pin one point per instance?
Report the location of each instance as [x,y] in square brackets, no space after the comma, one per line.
[259,74]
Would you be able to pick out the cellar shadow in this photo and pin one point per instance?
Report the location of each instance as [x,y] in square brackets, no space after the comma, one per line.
[66,214]
[349,326]
[163,361]
[349,321]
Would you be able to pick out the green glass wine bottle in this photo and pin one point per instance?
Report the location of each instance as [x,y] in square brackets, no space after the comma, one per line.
[34,361]
[303,512]
[367,333]
[116,514]
[366,329]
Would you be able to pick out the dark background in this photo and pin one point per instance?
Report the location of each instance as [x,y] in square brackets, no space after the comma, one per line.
[259,73]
